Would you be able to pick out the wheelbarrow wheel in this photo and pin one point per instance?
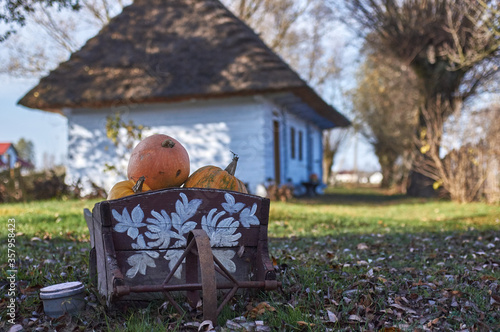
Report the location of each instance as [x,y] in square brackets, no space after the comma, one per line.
[202,256]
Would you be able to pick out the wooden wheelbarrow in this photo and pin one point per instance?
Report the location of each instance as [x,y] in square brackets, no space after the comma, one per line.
[201,241]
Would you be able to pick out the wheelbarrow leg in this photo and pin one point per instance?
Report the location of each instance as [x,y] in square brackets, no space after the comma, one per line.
[203,256]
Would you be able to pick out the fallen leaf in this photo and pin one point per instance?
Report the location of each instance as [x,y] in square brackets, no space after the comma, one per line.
[330,254]
[302,323]
[382,280]
[489,278]
[260,309]
[206,325]
[433,322]
[356,318]
[332,318]
[362,246]
[15,328]
[405,309]
[366,300]
[275,262]
[231,325]
[30,289]
[427,284]
[191,325]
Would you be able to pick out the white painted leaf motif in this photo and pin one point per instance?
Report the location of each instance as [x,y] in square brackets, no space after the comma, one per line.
[139,263]
[137,214]
[160,230]
[186,209]
[188,226]
[128,223]
[141,244]
[225,257]
[231,206]
[142,259]
[247,216]
[225,237]
[172,256]
[209,222]
[221,234]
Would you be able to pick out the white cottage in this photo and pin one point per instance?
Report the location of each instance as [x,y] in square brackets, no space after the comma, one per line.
[192,70]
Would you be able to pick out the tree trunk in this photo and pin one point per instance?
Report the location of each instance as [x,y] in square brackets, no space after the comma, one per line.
[429,133]
[387,167]
[387,160]
[420,185]
[328,156]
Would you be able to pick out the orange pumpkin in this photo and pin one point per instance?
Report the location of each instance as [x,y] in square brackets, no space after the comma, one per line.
[216,178]
[161,159]
[127,188]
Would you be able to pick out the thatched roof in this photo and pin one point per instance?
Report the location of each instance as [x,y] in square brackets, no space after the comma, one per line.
[171,50]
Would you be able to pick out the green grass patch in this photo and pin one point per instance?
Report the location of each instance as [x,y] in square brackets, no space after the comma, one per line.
[341,211]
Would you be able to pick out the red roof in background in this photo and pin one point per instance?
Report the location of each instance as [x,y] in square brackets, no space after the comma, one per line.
[4,147]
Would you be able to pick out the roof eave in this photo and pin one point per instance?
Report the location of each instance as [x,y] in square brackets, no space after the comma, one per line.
[325,116]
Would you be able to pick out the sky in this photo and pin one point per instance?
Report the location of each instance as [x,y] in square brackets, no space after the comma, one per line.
[47,131]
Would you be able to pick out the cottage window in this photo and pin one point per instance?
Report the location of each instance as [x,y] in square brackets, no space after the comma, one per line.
[301,145]
[292,142]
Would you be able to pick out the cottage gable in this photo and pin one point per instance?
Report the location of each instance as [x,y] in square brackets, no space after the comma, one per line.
[160,51]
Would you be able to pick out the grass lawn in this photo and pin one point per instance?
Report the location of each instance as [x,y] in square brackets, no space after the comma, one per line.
[350,260]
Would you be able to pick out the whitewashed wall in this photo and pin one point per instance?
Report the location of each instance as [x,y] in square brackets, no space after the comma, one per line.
[296,169]
[208,129]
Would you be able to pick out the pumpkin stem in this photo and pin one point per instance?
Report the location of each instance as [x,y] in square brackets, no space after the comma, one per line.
[137,188]
[231,168]
[168,143]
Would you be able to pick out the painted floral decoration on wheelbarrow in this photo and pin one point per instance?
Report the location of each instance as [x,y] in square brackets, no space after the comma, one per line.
[162,229]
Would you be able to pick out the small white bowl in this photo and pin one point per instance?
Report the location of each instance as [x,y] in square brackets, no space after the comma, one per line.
[61,298]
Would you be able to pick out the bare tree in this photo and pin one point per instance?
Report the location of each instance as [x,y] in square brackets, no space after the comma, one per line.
[13,13]
[332,142]
[452,45]
[385,103]
[470,160]
[491,189]
[25,150]
[296,30]
[52,34]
